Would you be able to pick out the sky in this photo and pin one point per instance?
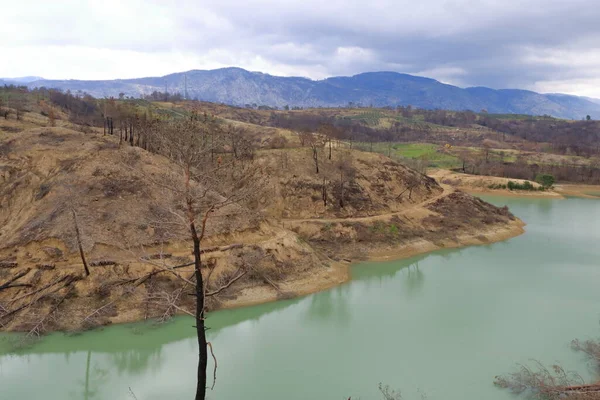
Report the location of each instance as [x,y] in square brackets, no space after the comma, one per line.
[548,46]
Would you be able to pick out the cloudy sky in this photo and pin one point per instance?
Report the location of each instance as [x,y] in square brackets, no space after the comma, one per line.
[543,45]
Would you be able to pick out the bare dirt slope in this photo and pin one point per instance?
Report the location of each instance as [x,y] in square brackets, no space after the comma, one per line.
[365,183]
[290,242]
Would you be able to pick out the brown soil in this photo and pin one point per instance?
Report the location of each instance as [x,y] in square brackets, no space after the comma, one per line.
[479,184]
[295,243]
[586,191]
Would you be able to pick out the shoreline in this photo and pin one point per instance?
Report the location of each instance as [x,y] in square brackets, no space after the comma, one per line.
[314,283]
[339,272]
[513,193]
[479,185]
[334,273]
[561,192]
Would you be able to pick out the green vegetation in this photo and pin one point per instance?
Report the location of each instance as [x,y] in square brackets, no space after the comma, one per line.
[384,229]
[414,150]
[546,180]
[521,117]
[370,118]
[517,186]
[497,186]
[426,151]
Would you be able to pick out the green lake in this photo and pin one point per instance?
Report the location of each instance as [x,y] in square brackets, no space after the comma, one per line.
[444,324]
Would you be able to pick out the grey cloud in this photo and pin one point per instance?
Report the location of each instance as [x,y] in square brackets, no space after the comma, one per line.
[468,42]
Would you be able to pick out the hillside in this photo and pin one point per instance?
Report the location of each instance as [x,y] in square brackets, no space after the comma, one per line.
[287,240]
[240,87]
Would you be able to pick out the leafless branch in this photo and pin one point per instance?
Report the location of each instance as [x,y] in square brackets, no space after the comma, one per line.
[170,300]
[225,286]
[55,282]
[209,344]
[542,382]
[132,394]
[69,279]
[171,270]
[15,278]
[99,311]
[38,328]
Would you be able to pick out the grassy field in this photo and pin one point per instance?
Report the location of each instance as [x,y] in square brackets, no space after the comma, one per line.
[427,151]
[422,151]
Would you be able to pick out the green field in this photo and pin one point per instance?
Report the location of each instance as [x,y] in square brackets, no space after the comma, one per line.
[427,151]
[423,151]
[518,116]
[370,118]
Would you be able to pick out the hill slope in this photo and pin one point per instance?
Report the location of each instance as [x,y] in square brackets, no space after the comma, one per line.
[288,241]
[240,87]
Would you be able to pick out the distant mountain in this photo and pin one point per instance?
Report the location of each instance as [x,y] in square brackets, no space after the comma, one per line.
[237,86]
[593,100]
[22,79]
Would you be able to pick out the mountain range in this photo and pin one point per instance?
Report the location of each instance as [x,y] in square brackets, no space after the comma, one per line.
[237,86]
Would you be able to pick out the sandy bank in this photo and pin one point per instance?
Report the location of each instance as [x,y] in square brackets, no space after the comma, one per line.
[559,191]
[480,185]
[574,190]
[339,272]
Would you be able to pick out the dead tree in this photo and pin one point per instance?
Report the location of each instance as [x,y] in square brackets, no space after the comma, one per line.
[315,156]
[79,245]
[547,383]
[329,132]
[11,284]
[346,173]
[19,106]
[315,143]
[199,190]
[130,132]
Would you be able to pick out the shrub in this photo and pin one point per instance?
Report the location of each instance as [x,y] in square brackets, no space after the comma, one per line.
[523,186]
[546,180]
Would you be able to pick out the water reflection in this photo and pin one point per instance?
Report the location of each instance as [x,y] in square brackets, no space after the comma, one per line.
[413,279]
[95,378]
[447,322]
[332,305]
[137,362]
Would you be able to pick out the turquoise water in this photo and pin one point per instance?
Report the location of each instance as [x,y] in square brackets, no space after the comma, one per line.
[444,324]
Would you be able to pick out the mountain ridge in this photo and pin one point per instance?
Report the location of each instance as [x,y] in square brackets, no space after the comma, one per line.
[237,86]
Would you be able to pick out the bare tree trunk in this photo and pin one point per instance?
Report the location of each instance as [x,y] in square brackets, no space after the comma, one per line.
[200,330]
[78,235]
[341,189]
[87,376]
[131,133]
[330,148]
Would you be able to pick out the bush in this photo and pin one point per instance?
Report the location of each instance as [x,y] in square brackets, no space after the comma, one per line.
[545,180]
[523,186]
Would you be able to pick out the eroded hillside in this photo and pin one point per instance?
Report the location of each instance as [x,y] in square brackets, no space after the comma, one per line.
[295,236]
